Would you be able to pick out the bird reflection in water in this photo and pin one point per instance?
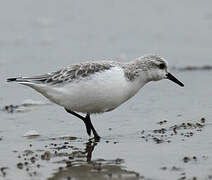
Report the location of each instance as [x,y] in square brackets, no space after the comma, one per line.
[90,145]
[83,167]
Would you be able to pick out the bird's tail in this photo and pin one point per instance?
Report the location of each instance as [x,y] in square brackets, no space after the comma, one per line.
[17,79]
[21,80]
[34,79]
[11,79]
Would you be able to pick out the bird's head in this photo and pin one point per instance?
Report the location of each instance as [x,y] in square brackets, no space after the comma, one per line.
[156,68]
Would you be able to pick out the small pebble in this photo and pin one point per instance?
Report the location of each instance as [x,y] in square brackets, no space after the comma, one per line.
[202,120]
[195,158]
[46,156]
[20,165]
[186,159]
[164,168]
[32,159]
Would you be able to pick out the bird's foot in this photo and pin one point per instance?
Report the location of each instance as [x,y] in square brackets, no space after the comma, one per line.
[95,138]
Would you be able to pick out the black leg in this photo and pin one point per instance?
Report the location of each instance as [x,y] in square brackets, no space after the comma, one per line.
[88,128]
[75,114]
[88,124]
[88,121]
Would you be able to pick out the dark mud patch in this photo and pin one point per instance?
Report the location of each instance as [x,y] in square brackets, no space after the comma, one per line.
[10,108]
[182,173]
[22,108]
[194,68]
[178,132]
[96,171]
[68,138]
[71,162]
[194,159]
[173,168]
[3,171]
[165,134]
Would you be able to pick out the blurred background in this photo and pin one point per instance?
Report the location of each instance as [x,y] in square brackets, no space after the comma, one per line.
[39,36]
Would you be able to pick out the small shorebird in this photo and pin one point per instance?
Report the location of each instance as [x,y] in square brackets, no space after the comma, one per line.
[97,87]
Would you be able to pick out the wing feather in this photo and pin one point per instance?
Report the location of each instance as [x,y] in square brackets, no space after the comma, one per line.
[67,74]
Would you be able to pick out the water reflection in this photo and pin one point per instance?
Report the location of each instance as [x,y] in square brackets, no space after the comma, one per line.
[83,167]
[90,145]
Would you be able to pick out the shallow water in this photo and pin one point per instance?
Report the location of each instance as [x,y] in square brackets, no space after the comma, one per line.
[41,36]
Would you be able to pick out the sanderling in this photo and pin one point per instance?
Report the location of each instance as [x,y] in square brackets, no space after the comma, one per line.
[97,87]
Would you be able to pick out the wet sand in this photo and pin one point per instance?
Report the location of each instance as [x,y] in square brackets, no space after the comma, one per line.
[138,141]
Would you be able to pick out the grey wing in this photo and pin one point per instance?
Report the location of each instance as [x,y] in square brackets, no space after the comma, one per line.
[66,74]
[77,71]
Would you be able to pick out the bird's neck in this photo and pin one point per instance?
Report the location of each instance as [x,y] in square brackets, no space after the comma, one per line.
[136,73]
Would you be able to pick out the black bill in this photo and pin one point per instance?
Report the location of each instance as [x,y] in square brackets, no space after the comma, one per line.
[174,79]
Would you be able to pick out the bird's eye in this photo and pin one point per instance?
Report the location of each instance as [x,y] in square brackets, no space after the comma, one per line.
[162,66]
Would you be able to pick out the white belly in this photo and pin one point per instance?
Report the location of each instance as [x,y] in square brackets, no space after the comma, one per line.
[100,92]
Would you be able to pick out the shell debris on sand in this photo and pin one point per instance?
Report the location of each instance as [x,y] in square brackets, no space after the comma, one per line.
[31,133]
